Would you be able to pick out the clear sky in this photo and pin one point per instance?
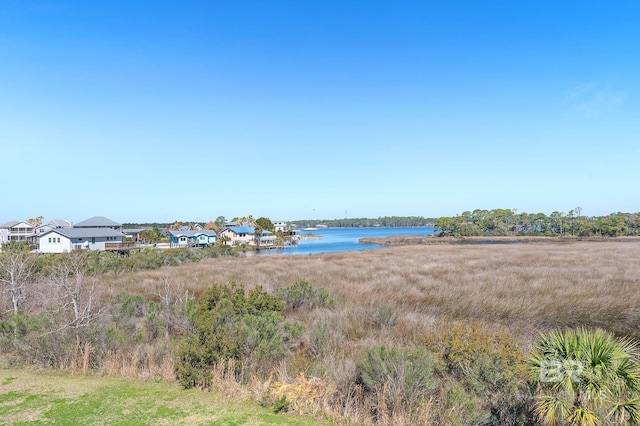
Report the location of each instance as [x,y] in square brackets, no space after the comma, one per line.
[146,111]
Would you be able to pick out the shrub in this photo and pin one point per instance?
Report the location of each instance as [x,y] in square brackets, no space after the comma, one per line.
[303,295]
[232,325]
[489,365]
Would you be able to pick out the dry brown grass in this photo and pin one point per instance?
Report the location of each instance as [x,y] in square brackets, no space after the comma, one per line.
[396,296]
[526,286]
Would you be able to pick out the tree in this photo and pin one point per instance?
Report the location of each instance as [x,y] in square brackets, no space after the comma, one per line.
[586,378]
[36,221]
[447,226]
[257,230]
[17,268]
[265,223]
[220,221]
[74,291]
[151,235]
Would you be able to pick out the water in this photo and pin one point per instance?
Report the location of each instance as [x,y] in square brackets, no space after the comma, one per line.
[333,240]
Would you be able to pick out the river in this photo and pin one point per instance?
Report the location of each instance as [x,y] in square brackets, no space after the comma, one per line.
[332,240]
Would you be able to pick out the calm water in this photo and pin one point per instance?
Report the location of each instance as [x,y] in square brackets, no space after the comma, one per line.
[334,240]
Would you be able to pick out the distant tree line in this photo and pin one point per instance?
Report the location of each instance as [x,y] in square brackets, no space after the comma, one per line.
[510,222]
[384,221]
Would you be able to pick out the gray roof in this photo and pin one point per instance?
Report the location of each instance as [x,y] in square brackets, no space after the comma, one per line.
[133,230]
[14,223]
[10,224]
[85,232]
[97,222]
[60,223]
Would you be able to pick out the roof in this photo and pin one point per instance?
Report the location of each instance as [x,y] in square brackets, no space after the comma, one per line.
[133,230]
[14,223]
[97,222]
[85,232]
[60,223]
[241,229]
[192,233]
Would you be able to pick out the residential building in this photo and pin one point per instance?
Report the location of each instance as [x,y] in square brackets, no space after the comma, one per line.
[63,240]
[237,235]
[53,224]
[191,238]
[17,231]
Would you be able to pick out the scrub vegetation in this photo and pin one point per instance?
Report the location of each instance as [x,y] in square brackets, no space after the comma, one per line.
[431,334]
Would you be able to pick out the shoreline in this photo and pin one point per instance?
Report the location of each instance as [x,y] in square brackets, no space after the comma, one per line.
[408,240]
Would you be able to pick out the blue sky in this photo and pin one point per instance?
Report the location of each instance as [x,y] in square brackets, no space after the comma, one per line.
[157,111]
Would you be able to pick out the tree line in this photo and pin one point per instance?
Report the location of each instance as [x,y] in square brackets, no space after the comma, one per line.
[363,222]
[511,222]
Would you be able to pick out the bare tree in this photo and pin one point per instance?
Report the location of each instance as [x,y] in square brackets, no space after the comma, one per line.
[75,292]
[174,299]
[17,269]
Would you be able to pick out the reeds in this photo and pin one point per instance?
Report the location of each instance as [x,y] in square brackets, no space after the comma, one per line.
[398,296]
[524,286]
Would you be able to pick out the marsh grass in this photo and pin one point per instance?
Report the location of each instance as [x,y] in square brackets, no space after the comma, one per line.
[407,296]
[525,286]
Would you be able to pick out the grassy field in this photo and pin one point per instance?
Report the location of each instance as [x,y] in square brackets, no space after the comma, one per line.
[527,287]
[37,397]
[475,308]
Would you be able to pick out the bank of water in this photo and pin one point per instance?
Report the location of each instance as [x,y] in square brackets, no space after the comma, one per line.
[333,240]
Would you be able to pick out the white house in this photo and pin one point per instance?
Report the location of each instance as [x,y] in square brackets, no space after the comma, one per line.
[62,240]
[16,231]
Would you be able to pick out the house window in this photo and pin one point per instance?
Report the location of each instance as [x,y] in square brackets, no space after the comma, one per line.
[58,239]
[49,239]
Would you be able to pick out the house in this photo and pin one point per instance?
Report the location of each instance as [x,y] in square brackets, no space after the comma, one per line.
[267,239]
[288,230]
[53,224]
[99,222]
[63,240]
[280,225]
[17,231]
[191,238]
[237,235]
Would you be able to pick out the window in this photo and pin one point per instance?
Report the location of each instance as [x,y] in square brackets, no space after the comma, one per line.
[49,239]
[58,239]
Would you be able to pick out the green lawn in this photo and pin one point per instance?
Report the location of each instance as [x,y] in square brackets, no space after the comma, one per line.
[29,397]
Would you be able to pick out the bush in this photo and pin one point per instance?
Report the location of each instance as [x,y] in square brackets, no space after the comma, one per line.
[232,325]
[489,366]
[303,295]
